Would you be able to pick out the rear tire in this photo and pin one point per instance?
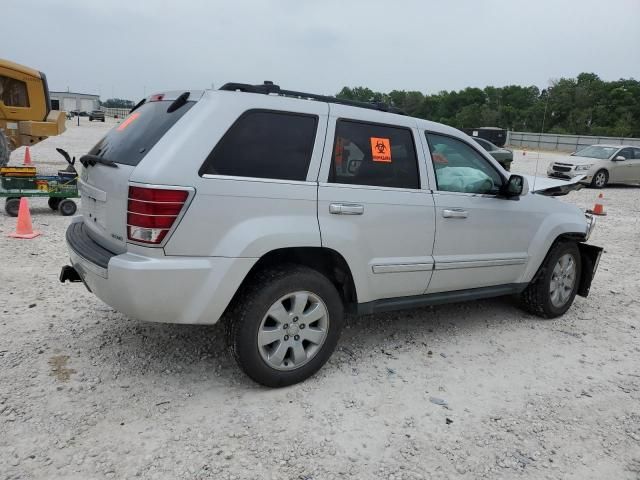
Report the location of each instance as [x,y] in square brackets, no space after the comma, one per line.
[297,307]
[67,207]
[5,153]
[11,206]
[600,179]
[54,203]
[554,287]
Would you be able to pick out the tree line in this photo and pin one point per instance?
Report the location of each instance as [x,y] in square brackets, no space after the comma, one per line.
[117,103]
[585,105]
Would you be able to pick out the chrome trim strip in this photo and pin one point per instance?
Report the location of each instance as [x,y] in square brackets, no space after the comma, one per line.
[479,263]
[258,179]
[402,267]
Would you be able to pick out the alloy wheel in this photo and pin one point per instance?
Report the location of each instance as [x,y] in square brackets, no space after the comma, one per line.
[563,279]
[293,330]
[600,179]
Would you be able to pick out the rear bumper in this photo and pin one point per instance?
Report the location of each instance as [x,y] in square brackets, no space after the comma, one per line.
[191,290]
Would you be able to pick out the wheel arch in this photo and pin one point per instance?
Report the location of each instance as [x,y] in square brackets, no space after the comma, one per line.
[324,260]
[543,243]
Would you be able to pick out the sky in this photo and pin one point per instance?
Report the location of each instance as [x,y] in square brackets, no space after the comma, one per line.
[132,48]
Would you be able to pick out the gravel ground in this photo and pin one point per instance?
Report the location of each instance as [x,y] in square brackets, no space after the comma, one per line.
[472,390]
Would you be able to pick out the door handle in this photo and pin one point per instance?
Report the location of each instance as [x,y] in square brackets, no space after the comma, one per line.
[346,209]
[454,213]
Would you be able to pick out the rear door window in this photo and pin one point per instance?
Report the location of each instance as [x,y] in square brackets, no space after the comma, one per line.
[130,141]
[375,155]
[265,144]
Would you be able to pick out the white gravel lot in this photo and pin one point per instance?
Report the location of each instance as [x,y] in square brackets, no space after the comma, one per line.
[472,390]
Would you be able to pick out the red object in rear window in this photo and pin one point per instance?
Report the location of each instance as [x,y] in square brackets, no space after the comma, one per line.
[151,213]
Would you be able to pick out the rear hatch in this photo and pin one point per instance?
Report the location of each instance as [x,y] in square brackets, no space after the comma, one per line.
[107,168]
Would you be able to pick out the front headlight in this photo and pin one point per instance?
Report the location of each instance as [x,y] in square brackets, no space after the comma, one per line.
[591,224]
[583,167]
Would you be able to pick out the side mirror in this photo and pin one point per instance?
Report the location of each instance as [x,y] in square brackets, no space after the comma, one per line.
[515,186]
[619,158]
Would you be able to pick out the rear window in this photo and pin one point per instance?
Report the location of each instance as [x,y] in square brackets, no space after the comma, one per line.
[130,141]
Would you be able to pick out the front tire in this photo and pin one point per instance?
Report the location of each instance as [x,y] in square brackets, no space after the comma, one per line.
[600,179]
[285,326]
[555,285]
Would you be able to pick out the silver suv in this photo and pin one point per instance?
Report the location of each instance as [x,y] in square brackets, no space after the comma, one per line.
[281,211]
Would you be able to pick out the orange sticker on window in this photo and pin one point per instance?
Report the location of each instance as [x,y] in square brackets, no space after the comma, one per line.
[381,149]
[128,121]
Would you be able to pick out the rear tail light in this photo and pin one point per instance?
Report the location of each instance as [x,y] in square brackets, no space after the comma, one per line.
[152,212]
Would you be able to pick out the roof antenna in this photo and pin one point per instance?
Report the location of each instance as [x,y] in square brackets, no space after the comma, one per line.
[544,117]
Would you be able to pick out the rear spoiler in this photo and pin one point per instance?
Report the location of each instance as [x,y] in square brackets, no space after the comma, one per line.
[172,96]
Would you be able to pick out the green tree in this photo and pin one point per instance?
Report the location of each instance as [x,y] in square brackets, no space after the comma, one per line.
[582,105]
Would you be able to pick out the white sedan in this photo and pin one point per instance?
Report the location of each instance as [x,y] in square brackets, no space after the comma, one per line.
[600,165]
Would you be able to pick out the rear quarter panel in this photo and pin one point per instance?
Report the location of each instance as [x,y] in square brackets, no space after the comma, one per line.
[234,216]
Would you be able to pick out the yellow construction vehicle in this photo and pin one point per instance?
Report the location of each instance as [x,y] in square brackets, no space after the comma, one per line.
[26,117]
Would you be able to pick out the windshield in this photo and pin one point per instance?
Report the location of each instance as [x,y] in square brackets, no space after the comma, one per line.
[596,151]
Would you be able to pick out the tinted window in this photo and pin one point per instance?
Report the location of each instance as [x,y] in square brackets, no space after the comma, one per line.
[460,168]
[637,153]
[376,155]
[265,144]
[13,93]
[130,141]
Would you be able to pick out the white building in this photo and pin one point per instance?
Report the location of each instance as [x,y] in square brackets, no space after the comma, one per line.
[69,101]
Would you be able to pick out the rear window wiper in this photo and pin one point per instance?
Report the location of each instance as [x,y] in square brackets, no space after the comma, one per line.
[89,159]
[138,105]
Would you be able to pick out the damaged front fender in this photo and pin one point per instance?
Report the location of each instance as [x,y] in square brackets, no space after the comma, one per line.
[552,187]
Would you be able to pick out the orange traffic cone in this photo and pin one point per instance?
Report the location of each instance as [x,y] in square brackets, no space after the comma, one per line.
[598,208]
[27,157]
[24,229]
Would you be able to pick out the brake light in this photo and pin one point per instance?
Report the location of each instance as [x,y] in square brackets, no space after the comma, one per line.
[152,212]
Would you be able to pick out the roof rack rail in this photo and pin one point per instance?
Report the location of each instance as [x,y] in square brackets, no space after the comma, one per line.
[269,87]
